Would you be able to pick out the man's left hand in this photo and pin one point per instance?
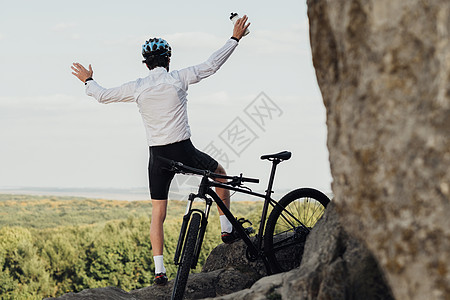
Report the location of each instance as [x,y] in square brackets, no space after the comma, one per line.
[81,72]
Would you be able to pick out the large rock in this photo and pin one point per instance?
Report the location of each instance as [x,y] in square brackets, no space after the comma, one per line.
[110,293]
[334,266]
[200,285]
[234,256]
[383,67]
[225,271]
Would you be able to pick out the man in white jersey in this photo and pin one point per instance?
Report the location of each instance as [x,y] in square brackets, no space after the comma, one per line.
[161,99]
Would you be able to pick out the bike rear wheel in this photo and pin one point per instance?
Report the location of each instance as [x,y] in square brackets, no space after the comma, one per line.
[289,224]
[187,258]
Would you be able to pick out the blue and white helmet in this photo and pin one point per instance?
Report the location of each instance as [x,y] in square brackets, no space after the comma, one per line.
[156,46]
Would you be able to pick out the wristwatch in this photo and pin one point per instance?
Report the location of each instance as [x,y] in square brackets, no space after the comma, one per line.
[90,78]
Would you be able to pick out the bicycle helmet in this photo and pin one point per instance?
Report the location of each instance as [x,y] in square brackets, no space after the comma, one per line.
[156,47]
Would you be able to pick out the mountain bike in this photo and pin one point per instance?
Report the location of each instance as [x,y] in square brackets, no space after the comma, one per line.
[284,232]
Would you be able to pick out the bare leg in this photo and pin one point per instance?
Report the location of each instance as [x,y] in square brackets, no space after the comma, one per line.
[222,193]
[156,227]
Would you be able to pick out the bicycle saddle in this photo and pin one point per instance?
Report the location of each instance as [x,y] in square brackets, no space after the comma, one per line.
[283,155]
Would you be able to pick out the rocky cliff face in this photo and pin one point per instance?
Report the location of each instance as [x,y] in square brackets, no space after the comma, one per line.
[383,67]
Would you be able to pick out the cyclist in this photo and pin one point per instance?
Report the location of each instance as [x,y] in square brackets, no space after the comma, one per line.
[161,99]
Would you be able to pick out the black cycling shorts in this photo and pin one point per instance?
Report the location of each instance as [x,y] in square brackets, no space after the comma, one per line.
[160,178]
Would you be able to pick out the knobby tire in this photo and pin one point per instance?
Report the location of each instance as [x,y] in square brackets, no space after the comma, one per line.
[288,225]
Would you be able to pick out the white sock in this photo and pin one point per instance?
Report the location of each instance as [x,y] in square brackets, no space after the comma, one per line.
[159,264]
[225,224]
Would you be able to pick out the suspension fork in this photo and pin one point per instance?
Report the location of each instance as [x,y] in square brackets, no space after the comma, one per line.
[186,218]
[201,234]
[184,225]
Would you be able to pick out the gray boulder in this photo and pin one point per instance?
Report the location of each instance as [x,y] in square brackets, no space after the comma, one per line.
[335,266]
[200,285]
[111,293]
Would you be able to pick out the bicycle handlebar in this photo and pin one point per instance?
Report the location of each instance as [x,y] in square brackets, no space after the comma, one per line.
[180,168]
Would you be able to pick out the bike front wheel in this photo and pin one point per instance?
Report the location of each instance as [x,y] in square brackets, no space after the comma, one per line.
[187,258]
[289,224]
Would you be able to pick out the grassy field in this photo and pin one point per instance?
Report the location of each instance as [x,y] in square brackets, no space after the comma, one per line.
[51,211]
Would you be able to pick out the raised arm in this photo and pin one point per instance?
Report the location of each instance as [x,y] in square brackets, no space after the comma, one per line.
[123,93]
[196,73]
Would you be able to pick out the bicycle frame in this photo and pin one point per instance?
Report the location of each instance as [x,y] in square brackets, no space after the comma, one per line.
[204,190]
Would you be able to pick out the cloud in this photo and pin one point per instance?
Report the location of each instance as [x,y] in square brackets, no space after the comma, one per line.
[124,41]
[50,119]
[67,29]
[57,101]
[68,140]
[291,40]
[194,40]
[179,40]
[57,106]
[64,26]
[73,114]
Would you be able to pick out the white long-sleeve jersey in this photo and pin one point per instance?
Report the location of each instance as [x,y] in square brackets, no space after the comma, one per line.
[162,96]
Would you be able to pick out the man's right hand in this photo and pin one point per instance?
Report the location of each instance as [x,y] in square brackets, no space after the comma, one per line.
[240,26]
[81,72]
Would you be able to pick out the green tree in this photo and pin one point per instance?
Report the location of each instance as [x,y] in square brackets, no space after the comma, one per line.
[24,272]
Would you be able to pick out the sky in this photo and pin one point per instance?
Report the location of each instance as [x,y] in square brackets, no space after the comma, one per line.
[265,99]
